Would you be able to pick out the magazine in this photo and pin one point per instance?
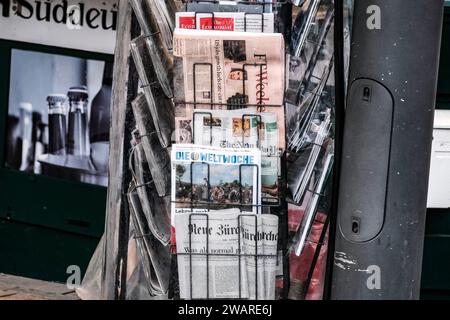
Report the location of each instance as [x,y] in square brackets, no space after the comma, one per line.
[226,21]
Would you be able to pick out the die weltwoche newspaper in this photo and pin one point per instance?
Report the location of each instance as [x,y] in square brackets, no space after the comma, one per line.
[242,258]
[206,178]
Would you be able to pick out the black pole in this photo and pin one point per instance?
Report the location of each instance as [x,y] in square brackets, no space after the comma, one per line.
[386,149]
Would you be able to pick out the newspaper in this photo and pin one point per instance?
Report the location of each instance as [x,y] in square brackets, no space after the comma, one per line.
[270,247]
[206,178]
[236,265]
[254,260]
[219,67]
[230,6]
[222,275]
[243,128]
[226,21]
[228,71]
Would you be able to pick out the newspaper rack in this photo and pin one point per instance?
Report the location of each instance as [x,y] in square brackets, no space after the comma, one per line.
[116,271]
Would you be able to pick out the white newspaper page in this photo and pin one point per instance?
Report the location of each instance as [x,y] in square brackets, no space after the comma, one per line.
[221,274]
[251,227]
[270,245]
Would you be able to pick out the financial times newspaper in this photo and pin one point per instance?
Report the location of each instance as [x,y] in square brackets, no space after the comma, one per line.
[206,178]
[229,68]
[242,256]
[226,21]
[227,71]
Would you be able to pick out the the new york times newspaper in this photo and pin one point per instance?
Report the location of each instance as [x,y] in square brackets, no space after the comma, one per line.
[242,128]
[241,260]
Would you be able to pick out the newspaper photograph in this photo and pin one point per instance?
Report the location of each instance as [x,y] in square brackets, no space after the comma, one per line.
[206,178]
[242,255]
[226,21]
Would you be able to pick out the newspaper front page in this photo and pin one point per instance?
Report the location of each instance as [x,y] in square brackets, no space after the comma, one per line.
[228,71]
[216,276]
[238,264]
[206,178]
[243,128]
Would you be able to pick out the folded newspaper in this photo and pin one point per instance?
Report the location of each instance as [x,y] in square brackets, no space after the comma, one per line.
[206,178]
[226,254]
[226,21]
[229,68]
[243,128]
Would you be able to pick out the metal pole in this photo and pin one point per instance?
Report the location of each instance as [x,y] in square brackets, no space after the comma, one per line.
[386,149]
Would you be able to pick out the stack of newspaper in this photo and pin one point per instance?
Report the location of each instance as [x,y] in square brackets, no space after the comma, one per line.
[225,254]
[230,133]
[230,94]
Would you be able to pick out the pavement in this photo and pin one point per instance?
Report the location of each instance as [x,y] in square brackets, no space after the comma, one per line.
[19,288]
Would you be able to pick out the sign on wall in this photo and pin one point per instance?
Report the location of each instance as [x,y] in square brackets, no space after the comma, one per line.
[76,24]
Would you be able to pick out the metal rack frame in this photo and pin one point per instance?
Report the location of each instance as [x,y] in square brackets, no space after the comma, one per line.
[125,87]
